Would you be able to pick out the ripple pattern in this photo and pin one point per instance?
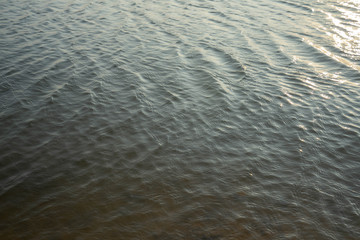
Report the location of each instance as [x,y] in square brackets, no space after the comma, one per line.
[180,119]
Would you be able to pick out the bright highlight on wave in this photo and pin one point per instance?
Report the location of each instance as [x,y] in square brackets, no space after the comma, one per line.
[346,31]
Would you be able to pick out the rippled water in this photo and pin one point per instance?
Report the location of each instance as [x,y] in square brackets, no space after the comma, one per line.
[180,119]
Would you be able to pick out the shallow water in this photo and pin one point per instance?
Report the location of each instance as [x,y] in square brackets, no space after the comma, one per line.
[180,119]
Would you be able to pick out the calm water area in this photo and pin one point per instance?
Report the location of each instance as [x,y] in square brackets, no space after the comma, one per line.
[174,119]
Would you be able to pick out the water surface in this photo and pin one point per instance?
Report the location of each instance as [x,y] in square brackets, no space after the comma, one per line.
[180,119]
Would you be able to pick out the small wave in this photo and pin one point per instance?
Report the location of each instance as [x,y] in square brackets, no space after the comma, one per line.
[331,56]
[303,6]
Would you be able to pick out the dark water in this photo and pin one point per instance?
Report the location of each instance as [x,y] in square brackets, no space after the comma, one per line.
[180,119]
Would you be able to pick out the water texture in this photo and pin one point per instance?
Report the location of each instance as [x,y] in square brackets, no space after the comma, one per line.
[179,119]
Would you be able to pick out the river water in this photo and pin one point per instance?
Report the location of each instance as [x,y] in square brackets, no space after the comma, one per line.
[179,119]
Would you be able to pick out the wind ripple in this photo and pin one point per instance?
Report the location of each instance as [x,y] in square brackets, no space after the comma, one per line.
[179,119]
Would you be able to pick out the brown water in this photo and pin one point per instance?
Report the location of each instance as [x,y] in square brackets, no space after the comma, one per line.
[180,119]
